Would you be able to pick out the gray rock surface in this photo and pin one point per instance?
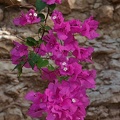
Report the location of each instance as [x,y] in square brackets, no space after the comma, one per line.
[105,13]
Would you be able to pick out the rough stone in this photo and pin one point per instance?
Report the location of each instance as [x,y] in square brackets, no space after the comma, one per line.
[98,66]
[105,13]
[116,33]
[115,1]
[80,5]
[18,3]
[2,116]
[99,1]
[64,7]
[91,1]
[97,5]
[115,64]
[115,55]
[1,15]
[117,15]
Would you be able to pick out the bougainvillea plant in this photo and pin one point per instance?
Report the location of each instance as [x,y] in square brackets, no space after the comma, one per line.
[57,55]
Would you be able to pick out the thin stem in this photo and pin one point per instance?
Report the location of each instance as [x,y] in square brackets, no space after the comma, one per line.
[12,2]
[44,26]
[20,38]
[47,16]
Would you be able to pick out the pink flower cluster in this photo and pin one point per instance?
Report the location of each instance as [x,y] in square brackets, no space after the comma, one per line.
[87,28]
[61,101]
[65,98]
[29,18]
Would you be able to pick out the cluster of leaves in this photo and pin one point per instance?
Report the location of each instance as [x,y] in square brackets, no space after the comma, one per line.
[33,58]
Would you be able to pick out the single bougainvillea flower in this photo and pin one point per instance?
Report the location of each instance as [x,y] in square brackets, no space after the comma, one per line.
[62,30]
[39,103]
[29,18]
[89,27]
[32,17]
[75,26]
[57,17]
[83,54]
[22,21]
[19,52]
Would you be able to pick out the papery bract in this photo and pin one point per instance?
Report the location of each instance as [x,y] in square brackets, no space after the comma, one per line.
[57,17]
[29,18]
[62,30]
[70,69]
[49,75]
[19,53]
[86,78]
[65,100]
[41,50]
[32,17]
[75,26]
[89,28]
[39,104]
[22,21]
[51,41]
[83,54]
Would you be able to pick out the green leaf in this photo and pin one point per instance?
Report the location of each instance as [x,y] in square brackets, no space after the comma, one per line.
[42,63]
[40,41]
[32,64]
[15,67]
[39,62]
[33,56]
[31,41]
[32,59]
[19,68]
[48,28]
[39,30]
[42,16]
[63,78]
[40,5]
[51,68]
[52,7]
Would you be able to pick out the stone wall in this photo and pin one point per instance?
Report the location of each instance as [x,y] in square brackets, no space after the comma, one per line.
[105,99]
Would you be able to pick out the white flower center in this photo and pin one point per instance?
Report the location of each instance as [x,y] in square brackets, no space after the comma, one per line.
[73,100]
[50,54]
[64,63]
[54,17]
[30,14]
[65,68]
[67,58]
[35,14]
